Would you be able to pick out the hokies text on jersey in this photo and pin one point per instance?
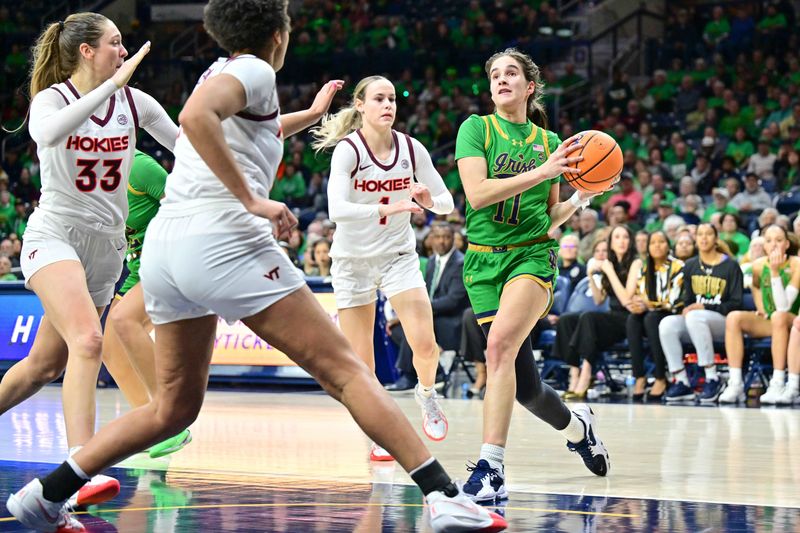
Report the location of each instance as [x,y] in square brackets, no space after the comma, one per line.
[395,184]
[93,144]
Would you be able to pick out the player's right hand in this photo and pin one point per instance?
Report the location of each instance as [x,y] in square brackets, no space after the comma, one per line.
[559,161]
[405,205]
[282,218]
[125,72]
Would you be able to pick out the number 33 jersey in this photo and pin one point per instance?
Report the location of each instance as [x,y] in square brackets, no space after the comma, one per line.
[85,163]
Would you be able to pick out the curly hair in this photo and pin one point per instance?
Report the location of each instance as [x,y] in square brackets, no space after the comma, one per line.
[245,25]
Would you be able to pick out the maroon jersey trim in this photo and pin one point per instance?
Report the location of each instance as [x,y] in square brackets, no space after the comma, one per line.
[372,156]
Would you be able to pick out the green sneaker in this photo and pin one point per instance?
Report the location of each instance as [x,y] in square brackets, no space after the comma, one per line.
[171,445]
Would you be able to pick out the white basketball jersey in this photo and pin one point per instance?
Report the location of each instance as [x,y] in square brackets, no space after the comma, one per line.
[85,177]
[254,135]
[376,182]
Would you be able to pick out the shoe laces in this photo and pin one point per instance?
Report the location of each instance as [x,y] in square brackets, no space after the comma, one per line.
[479,471]
[583,449]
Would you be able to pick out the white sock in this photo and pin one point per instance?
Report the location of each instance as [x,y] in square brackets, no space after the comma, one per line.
[711,373]
[735,377]
[493,454]
[794,381]
[575,430]
[779,376]
[425,391]
[77,469]
[683,377]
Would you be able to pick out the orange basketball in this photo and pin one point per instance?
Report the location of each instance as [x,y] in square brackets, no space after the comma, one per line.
[601,165]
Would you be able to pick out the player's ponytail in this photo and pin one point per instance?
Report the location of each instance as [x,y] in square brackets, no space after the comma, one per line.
[536,110]
[56,54]
[336,127]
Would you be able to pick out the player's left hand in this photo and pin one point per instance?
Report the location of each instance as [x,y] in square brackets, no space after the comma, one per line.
[422,195]
[583,195]
[322,102]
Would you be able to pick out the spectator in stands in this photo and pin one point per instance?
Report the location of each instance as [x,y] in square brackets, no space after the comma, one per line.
[665,210]
[619,93]
[24,189]
[753,199]
[756,250]
[619,215]
[685,247]
[568,264]
[588,230]
[730,232]
[740,148]
[658,185]
[5,269]
[656,164]
[762,164]
[717,29]
[318,263]
[776,280]
[672,225]
[640,241]
[627,193]
[712,289]
[692,205]
[582,336]
[767,217]
[788,175]
[660,280]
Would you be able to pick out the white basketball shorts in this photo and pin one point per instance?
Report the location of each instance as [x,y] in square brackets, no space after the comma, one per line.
[50,238]
[356,280]
[225,263]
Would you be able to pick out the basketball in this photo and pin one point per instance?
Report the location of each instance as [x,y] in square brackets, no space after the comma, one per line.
[601,165]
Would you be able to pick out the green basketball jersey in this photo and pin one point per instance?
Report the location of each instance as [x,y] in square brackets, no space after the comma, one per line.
[145,190]
[509,149]
[766,288]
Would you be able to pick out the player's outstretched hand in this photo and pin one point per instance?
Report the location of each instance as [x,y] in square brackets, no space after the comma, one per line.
[559,161]
[125,72]
[322,102]
[422,195]
[282,218]
[403,206]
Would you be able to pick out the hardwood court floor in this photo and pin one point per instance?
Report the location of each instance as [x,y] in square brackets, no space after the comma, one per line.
[296,462]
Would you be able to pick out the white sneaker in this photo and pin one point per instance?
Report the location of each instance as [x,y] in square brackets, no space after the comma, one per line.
[591,448]
[459,513]
[376,453]
[774,392]
[733,393]
[99,489]
[789,396]
[434,423]
[31,508]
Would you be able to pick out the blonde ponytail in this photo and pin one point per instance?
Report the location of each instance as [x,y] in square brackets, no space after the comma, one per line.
[336,127]
[56,54]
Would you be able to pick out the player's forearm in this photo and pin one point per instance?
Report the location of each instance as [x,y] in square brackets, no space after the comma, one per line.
[561,212]
[488,192]
[298,121]
[204,131]
[49,127]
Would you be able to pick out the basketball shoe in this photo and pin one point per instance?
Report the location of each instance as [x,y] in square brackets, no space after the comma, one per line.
[171,445]
[376,453]
[460,513]
[733,393]
[434,423]
[591,448]
[30,507]
[485,484]
[99,489]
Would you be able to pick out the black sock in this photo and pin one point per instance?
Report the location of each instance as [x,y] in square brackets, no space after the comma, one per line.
[432,477]
[61,483]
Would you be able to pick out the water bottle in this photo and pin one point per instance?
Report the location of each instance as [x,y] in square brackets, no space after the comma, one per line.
[630,381]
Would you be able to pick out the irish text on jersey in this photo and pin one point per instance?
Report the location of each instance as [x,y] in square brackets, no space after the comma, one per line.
[511,166]
[396,184]
[93,144]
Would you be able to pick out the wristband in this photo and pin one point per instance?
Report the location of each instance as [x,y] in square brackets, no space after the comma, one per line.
[575,200]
